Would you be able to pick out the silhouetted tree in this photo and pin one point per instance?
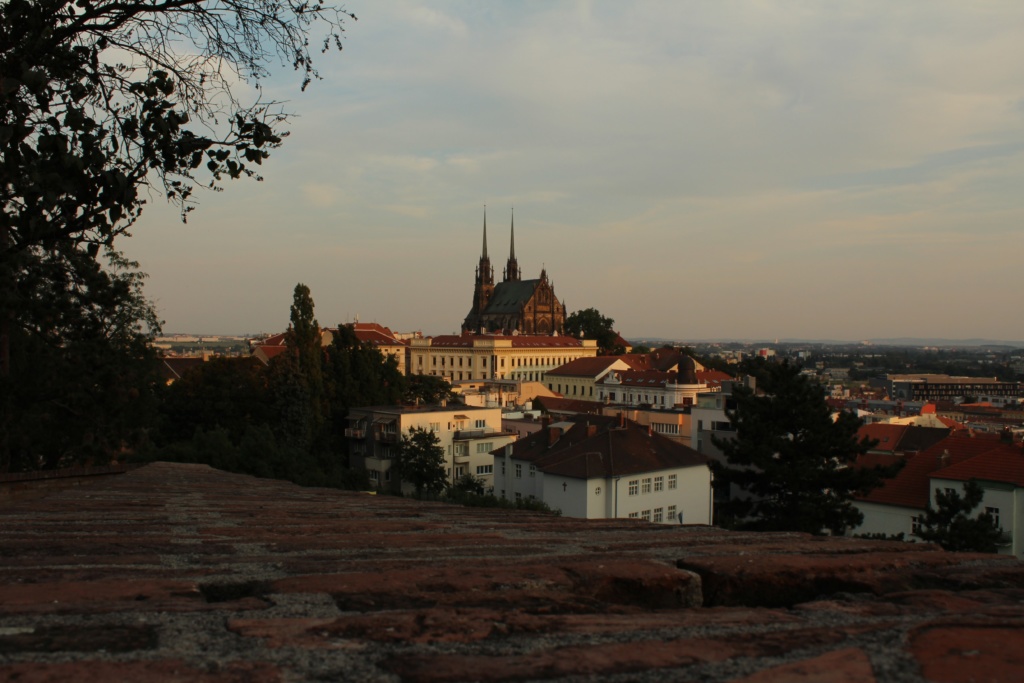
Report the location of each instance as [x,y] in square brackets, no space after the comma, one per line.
[590,324]
[792,461]
[421,461]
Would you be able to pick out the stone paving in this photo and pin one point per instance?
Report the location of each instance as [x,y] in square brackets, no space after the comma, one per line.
[184,573]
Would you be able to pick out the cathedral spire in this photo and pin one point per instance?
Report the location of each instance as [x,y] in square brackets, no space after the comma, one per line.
[512,272]
[485,233]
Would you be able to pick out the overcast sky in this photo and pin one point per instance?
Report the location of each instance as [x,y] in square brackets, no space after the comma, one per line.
[694,170]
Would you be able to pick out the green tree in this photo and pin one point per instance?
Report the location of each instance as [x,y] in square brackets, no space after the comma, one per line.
[304,362]
[951,524]
[791,461]
[590,324]
[421,461]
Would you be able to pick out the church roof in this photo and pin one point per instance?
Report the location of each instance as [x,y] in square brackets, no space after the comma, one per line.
[509,297]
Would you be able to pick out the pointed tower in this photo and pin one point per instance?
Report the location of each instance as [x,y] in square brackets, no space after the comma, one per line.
[483,288]
[512,271]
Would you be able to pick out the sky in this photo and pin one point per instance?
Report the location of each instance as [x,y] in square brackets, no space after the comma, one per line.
[692,169]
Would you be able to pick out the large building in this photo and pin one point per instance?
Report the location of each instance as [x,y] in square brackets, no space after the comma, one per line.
[606,468]
[514,305]
[467,434]
[947,388]
[526,358]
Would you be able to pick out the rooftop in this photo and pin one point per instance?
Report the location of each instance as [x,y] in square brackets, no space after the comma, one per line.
[184,573]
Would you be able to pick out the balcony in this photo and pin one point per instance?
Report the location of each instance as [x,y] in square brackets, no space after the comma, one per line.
[386,437]
[353,433]
[471,434]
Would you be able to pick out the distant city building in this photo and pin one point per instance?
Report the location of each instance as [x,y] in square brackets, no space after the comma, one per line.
[467,434]
[526,358]
[513,306]
[927,387]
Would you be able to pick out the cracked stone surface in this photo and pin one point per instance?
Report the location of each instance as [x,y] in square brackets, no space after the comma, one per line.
[177,572]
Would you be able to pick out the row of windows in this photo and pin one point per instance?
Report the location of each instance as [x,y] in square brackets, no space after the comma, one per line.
[647,484]
[519,470]
[485,469]
[659,515]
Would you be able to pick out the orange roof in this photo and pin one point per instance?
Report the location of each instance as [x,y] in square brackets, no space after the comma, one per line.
[712,378]
[584,367]
[1004,463]
[911,487]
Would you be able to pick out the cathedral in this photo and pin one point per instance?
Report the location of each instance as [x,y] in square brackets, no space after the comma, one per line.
[514,305]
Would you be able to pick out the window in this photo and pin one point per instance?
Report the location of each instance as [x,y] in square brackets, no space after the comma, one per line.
[994,512]
[503,467]
[485,447]
[519,496]
[597,491]
[659,484]
[480,424]
[659,515]
[485,469]
[646,515]
[915,524]
[671,512]
[374,475]
[673,482]
[634,515]
[646,488]
[435,426]
[634,487]
[519,473]
[533,470]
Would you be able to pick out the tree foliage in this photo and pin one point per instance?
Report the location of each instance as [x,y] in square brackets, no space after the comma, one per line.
[101,97]
[81,386]
[421,461]
[792,463]
[590,324]
[104,103]
[951,524]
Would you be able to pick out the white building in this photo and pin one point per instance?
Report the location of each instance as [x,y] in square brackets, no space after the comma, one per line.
[467,434]
[599,467]
[899,505]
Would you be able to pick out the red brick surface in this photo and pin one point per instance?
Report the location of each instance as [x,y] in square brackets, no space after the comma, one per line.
[184,573]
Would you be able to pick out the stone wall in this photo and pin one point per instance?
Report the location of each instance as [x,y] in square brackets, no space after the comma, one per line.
[184,573]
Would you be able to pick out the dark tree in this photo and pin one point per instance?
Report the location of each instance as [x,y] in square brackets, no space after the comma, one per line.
[791,461]
[102,104]
[951,525]
[427,389]
[421,462]
[303,365]
[80,389]
[590,324]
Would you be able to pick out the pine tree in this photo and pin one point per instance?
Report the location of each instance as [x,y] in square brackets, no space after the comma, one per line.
[791,460]
[951,525]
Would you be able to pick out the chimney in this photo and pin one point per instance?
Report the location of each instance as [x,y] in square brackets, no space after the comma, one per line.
[622,419]
[650,430]
[554,433]
[591,430]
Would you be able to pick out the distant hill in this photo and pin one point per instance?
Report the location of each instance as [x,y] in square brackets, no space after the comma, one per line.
[894,341]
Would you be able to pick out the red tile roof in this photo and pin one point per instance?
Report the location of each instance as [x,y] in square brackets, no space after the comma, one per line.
[584,367]
[911,487]
[712,378]
[887,435]
[1003,463]
[558,404]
